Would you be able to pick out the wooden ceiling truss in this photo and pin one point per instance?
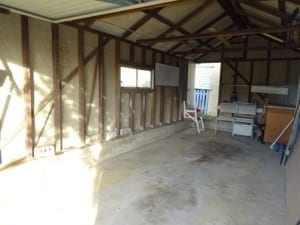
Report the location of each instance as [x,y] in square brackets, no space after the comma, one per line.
[203,41]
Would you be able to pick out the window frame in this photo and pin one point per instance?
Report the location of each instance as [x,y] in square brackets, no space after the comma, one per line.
[136,67]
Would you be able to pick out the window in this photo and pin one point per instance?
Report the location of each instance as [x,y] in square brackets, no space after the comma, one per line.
[136,78]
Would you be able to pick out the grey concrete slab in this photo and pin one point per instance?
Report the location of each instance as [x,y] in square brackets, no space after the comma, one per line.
[185,179]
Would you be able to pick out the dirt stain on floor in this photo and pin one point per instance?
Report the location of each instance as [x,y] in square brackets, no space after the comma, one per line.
[210,151]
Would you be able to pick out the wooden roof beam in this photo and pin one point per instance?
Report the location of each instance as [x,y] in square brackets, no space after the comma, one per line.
[223,34]
[237,49]
[141,22]
[186,18]
[201,29]
[228,7]
[264,8]
[132,10]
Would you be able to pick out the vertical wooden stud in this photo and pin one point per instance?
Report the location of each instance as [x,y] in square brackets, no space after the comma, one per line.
[131,53]
[143,110]
[268,63]
[57,88]
[153,94]
[172,105]
[221,74]
[143,56]
[101,128]
[82,94]
[117,86]
[28,89]
[250,96]
[162,104]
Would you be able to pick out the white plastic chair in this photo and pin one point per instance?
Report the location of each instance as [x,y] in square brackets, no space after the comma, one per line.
[191,113]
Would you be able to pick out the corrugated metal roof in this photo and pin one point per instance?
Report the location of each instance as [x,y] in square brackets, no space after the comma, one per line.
[57,9]
[65,10]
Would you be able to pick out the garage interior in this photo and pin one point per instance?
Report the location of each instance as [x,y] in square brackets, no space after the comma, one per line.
[82,143]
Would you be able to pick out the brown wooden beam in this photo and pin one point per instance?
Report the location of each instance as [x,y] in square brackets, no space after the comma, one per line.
[200,30]
[223,34]
[82,92]
[185,19]
[257,17]
[153,95]
[250,95]
[241,76]
[269,56]
[117,87]
[162,104]
[141,22]
[101,103]
[57,88]
[264,8]
[93,89]
[28,89]
[235,17]
[135,9]
[131,110]
[143,110]
[240,49]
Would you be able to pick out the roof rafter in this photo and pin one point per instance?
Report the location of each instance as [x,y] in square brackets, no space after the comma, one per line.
[141,22]
[237,49]
[264,8]
[224,34]
[186,18]
[201,29]
[138,9]
[228,7]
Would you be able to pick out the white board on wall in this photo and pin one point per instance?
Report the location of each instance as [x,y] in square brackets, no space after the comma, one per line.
[166,75]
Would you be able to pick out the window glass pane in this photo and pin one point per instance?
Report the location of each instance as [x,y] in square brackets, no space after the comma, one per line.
[128,77]
[144,78]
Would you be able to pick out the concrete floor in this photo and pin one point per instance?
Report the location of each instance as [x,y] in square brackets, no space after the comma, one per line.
[186,179]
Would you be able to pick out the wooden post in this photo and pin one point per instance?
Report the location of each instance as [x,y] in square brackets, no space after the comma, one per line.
[101,128]
[162,104]
[131,110]
[28,89]
[153,94]
[57,89]
[117,86]
[268,63]
[143,110]
[250,96]
[221,74]
[82,94]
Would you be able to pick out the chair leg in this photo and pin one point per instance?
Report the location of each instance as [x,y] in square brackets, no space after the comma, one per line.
[202,123]
[216,124]
[197,125]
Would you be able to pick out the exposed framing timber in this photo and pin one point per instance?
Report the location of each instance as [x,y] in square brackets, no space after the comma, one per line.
[141,22]
[153,95]
[117,87]
[162,104]
[57,89]
[264,8]
[223,34]
[269,56]
[143,110]
[250,95]
[93,87]
[101,128]
[131,110]
[200,30]
[241,76]
[28,89]
[82,91]
[239,49]
[137,9]
[184,20]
